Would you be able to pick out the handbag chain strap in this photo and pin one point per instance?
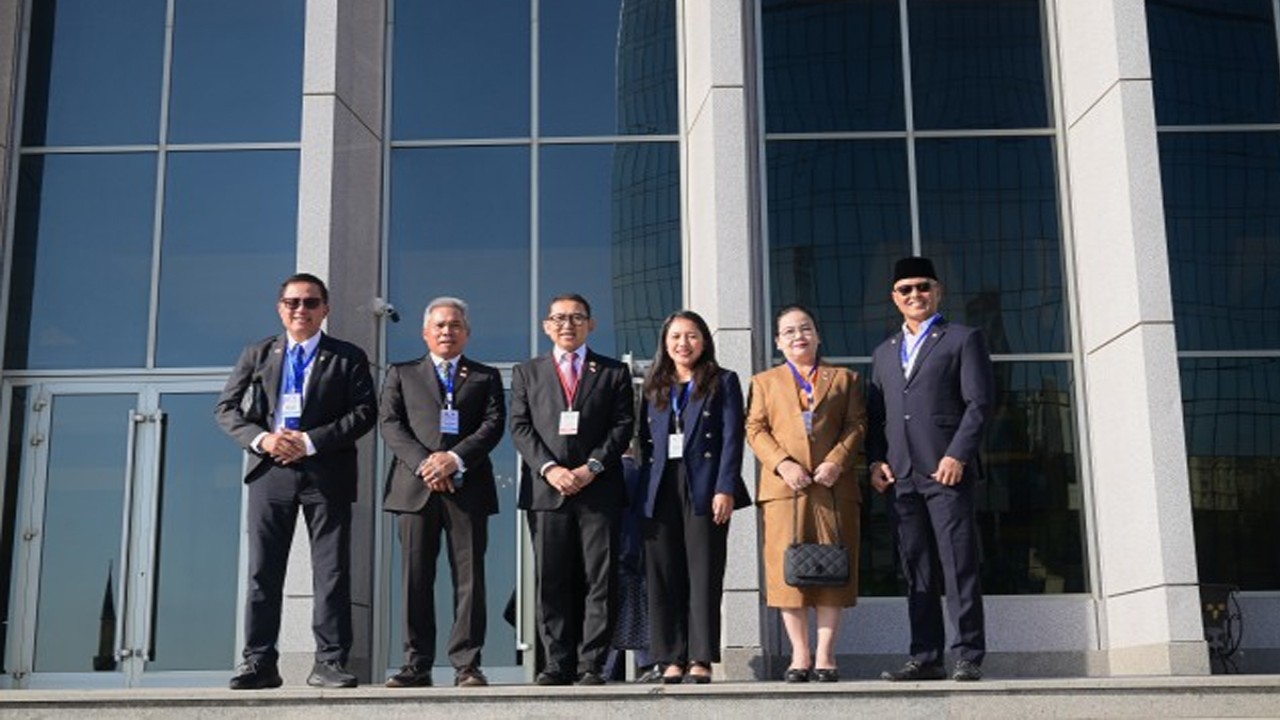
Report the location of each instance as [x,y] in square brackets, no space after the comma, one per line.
[835,514]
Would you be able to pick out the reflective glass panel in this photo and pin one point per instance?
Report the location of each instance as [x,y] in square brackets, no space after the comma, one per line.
[94,72]
[80,573]
[197,576]
[839,216]
[81,275]
[1029,502]
[609,230]
[1231,412]
[1213,61]
[17,441]
[607,67]
[989,220]
[230,221]
[237,71]
[1222,222]
[460,226]
[832,66]
[499,572]
[978,64]
[460,69]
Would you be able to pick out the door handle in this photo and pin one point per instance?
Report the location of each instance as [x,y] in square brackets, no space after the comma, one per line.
[126,527]
[147,651]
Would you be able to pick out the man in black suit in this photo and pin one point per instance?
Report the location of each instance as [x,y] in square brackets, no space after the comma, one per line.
[442,415]
[571,419]
[932,389]
[297,403]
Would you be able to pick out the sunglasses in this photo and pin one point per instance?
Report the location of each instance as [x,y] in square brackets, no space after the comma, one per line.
[310,303]
[574,319]
[920,287]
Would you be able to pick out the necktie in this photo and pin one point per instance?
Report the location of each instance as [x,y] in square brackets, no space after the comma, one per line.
[296,378]
[443,370]
[569,376]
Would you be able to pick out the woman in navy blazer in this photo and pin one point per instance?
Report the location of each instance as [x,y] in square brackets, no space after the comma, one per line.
[691,433]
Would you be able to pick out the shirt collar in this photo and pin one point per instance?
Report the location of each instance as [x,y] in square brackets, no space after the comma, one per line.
[926,325]
[308,345]
[581,352]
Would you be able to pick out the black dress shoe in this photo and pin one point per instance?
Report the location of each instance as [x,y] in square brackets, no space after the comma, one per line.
[410,676]
[330,674]
[796,675]
[914,670]
[966,671]
[698,678]
[670,676]
[591,677]
[826,675]
[253,676]
[652,675]
[470,677]
[550,677]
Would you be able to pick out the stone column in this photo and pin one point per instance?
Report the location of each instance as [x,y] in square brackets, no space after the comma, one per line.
[10,41]
[1146,581]
[339,206]
[719,193]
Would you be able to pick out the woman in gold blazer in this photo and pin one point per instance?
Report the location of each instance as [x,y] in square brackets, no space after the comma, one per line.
[805,423]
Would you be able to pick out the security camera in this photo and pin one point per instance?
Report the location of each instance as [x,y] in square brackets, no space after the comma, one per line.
[382,308]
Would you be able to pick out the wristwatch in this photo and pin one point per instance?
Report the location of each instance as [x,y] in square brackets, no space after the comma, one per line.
[595,466]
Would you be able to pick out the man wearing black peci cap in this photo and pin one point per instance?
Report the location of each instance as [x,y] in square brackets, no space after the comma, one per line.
[931,391]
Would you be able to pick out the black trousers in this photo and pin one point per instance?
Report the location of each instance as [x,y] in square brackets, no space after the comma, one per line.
[573,549]
[467,538]
[684,568]
[937,529]
[274,500]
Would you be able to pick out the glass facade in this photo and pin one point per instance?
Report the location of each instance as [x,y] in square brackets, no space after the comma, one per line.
[1216,80]
[949,153]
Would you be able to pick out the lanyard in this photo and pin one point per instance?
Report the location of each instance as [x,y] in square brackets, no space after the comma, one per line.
[447,379]
[298,373]
[908,355]
[806,384]
[678,402]
[569,391]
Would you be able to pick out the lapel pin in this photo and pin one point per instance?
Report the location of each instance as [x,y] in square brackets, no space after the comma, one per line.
[591,366]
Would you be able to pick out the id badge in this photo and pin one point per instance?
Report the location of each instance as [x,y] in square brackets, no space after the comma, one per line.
[808,422]
[569,422]
[448,421]
[291,407]
[675,446]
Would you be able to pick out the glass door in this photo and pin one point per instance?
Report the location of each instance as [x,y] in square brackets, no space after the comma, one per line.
[125,549]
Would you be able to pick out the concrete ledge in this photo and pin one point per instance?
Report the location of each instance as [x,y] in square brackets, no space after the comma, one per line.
[1224,696]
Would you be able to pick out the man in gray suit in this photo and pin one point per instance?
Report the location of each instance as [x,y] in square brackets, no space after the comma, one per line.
[931,391]
[442,415]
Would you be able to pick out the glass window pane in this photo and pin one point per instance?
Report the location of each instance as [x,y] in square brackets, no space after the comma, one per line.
[607,67]
[989,219]
[460,226]
[81,276]
[978,64]
[832,66]
[1231,409]
[197,573]
[460,69]
[1029,502]
[839,216]
[1222,222]
[237,71]
[1213,61]
[609,229]
[230,221]
[94,72]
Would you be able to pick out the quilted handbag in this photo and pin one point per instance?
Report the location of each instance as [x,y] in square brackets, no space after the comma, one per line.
[816,564]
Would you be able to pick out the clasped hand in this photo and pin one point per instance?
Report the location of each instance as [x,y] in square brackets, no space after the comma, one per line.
[285,446]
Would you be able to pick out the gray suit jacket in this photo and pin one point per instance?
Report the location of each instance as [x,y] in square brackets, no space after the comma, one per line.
[940,409]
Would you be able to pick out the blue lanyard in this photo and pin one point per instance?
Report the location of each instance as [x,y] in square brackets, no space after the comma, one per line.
[298,372]
[806,384]
[920,337]
[678,402]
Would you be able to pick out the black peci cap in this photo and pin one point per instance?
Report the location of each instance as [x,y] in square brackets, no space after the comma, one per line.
[914,267]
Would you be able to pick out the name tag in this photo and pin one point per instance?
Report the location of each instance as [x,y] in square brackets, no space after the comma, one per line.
[675,446]
[292,405]
[569,422]
[808,422]
[449,421]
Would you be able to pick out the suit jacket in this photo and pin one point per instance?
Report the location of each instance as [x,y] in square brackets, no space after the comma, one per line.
[410,421]
[339,408]
[775,427]
[939,410]
[712,446]
[605,402]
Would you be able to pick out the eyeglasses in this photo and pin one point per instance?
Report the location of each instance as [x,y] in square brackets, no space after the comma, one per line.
[792,332]
[310,303]
[574,319]
[920,287]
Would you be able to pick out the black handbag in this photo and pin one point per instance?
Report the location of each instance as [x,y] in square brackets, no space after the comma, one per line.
[816,564]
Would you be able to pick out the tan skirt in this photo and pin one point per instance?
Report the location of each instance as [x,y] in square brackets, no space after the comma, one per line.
[817,524]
